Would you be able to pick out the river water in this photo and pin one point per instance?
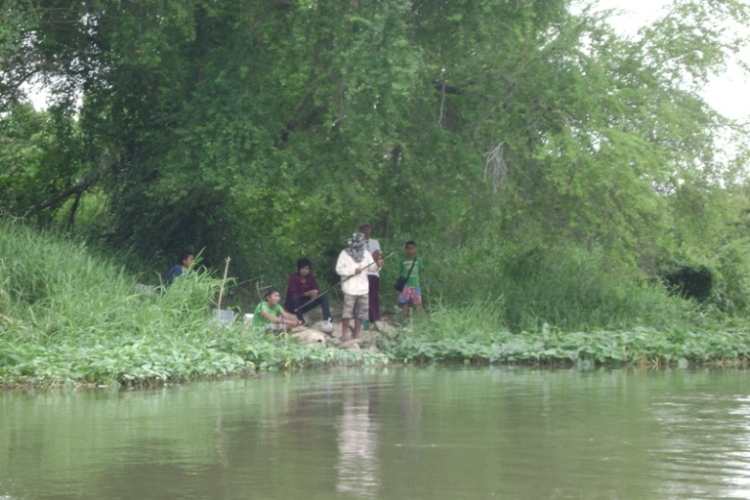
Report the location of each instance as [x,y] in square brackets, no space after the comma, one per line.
[388,433]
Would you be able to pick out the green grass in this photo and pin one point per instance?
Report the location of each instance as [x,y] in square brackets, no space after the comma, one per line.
[67,317]
[70,317]
[450,335]
[570,288]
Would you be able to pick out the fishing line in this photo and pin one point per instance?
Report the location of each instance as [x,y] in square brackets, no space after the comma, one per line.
[341,282]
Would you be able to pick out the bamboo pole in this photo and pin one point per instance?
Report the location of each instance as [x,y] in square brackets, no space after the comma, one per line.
[224,280]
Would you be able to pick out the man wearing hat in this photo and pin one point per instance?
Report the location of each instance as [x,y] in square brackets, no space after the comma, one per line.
[352,265]
[373,275]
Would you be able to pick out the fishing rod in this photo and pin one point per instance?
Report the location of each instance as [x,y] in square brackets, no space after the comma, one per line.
[340,283]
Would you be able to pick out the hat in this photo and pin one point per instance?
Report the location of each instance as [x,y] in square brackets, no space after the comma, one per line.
[363,224]
[356,240]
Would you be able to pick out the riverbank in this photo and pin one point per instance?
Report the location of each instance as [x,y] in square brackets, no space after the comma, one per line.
[138,361]
[69,318]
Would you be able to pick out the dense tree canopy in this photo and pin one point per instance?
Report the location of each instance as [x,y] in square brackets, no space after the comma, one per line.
[266,129]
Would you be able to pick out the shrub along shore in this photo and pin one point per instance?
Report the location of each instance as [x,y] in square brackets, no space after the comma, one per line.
[69,317]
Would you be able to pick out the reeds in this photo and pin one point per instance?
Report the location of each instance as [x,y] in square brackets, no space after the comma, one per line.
[68,317]
[491,301]
[570,288]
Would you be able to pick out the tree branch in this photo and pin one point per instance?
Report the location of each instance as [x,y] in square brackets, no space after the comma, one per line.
[446,89]
[77,190]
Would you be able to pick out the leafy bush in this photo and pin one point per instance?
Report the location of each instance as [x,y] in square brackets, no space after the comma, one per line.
[568,287]
[69,317]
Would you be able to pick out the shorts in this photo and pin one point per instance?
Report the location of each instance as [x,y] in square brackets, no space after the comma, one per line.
[410,295]
[355,306]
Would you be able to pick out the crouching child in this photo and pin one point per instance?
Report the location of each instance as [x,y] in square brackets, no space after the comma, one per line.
[269,316]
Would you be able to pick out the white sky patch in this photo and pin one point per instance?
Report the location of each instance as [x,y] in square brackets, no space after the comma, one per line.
[37,96]
[725,93]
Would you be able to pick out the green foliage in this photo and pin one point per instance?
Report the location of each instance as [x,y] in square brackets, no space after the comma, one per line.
[568,287]
[263,131]
[266,130]
[585,350]
[69,317]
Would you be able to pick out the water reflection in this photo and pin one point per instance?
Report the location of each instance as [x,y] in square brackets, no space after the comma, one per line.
[357,443]
[705,450]
[394,433]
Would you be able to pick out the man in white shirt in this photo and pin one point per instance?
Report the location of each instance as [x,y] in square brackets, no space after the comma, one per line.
[373,275]
[352,265]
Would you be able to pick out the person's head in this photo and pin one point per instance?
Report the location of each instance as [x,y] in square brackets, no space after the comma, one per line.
[410,248]
[186,258]
[271,295]
[356,242]
[303,267]
[356,246]
[366,229]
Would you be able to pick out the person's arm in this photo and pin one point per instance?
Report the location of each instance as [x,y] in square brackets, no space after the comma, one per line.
[172,274]
[270,317]
[289,318]
[376,256]
[376,253]
[294,286]
[369,263]
[313,288]
[345,266]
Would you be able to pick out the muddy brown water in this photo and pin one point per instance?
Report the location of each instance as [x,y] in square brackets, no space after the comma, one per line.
[388,433]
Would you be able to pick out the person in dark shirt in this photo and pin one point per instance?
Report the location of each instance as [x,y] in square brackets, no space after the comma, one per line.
[183,264]
[303,292]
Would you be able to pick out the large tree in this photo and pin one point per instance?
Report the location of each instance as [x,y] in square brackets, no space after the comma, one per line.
[266,129]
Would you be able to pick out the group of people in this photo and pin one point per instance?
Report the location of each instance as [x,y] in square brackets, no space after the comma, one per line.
[358,265]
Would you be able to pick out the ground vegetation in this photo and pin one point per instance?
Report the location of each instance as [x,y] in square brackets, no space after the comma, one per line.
[557,176]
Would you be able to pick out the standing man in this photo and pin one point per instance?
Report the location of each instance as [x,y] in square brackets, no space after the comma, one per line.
[303,292]
[183,264]
[373,274]
[352,266]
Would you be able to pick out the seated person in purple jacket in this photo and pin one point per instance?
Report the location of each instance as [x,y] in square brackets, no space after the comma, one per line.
[303,293]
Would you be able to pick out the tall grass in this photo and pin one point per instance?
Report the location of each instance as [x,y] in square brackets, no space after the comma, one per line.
[67,316]
[57,290]
[493,301]
[569,288]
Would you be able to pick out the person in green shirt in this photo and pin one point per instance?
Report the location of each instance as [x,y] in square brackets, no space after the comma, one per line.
[269,316]
[411,267]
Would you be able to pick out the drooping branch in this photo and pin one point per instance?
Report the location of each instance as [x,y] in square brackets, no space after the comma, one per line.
[73,210]
[76,190]
[495,167]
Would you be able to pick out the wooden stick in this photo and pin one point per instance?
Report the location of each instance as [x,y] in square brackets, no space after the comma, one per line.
[221,290]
